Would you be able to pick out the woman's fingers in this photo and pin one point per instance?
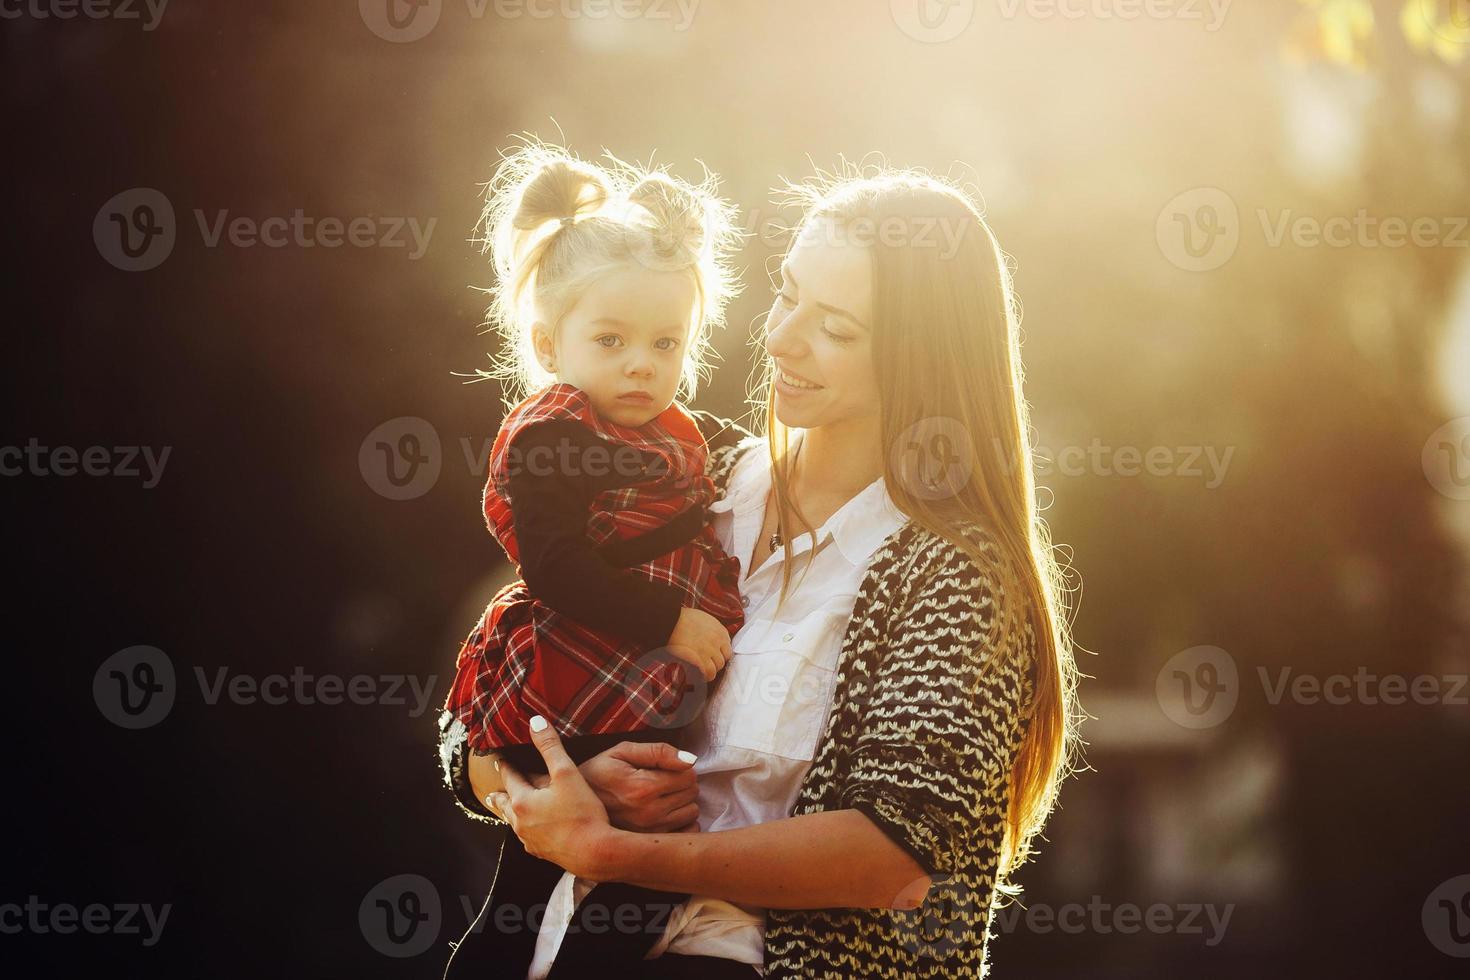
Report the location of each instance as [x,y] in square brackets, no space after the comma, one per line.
[515,783]
[548,742]
[682,796]
[675,821]
[500,803]
[654,755]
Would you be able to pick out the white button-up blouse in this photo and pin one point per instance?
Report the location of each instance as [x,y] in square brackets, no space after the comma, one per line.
[757,735]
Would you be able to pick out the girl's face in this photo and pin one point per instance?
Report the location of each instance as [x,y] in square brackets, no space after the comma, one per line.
[819,333]
[626,336]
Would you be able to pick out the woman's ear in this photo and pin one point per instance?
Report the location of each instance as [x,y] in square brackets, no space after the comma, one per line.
[545,345]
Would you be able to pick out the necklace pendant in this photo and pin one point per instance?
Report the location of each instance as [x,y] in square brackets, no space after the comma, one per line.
[775,541]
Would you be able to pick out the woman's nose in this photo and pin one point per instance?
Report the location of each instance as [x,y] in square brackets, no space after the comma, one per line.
[782,339]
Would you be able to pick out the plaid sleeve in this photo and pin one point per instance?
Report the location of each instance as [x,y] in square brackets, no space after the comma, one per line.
[942,719]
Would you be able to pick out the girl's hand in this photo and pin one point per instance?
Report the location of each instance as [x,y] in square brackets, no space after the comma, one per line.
[558,819]
[701,641]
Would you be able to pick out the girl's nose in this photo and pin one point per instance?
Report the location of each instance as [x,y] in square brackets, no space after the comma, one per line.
[639,366]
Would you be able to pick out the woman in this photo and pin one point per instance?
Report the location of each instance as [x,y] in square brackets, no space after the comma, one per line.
[899,709]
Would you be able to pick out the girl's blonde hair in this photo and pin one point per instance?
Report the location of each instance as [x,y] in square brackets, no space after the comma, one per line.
[555,224]
[946,349]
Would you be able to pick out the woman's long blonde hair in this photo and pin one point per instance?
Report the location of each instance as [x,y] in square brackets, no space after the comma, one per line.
[946,349]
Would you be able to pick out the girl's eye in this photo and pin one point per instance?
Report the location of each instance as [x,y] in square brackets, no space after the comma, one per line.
[607,336]
[670,341]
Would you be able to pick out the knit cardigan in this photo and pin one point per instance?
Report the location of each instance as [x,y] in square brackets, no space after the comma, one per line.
[933,695]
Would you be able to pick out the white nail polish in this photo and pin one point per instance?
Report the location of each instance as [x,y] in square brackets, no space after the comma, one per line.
[688,757]
[538,724]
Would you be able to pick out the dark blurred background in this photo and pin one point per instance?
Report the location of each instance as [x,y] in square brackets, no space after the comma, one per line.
[1156,173]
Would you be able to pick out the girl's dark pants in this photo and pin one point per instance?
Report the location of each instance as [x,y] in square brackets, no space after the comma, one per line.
[612,928]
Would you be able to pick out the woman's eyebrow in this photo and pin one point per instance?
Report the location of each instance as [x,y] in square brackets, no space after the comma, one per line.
[839,311]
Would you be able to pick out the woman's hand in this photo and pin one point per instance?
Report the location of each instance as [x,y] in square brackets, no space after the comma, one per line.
[646,787]
[559,818]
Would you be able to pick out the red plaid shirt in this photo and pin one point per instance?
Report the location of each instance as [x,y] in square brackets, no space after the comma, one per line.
[524,658]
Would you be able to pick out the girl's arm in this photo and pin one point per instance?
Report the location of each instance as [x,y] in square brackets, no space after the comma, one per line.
[549,496]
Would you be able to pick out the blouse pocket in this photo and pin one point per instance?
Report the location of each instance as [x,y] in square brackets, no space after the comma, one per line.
[774,696]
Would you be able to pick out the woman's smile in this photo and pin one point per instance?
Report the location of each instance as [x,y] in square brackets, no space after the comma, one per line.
[793,383]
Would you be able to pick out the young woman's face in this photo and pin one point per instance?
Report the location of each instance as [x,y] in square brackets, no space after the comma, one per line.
[820,330]
[627,334]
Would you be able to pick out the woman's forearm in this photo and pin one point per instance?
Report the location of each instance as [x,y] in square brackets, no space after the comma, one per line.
[833,859]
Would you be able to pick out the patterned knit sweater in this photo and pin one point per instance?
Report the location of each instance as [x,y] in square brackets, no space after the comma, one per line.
[933,694]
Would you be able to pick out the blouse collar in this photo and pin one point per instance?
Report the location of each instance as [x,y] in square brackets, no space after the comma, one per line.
[858,528]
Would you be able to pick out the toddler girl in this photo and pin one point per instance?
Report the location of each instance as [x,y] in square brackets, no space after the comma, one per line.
[608,281]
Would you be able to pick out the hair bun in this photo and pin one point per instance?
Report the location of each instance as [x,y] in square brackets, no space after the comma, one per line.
[679,215]
[560,189]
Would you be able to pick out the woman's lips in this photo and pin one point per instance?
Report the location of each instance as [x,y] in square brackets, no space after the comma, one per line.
[792,390]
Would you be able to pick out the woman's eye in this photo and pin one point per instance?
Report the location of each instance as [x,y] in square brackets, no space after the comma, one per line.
[840,338]
[785,300]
